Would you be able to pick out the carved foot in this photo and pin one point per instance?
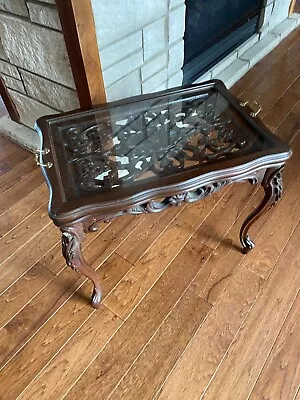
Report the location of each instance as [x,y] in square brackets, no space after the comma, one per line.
[72,238]
[273,187]
[247,244]
[96,297]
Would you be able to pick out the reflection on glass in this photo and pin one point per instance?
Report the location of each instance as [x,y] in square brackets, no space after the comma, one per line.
[142,141]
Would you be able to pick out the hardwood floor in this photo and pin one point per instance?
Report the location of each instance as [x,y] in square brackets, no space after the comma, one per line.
[185,314]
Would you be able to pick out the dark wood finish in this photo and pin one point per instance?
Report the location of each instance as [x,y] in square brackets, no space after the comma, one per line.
[78,28]
[226,151]
[9,104]
[72,238]
[273,187]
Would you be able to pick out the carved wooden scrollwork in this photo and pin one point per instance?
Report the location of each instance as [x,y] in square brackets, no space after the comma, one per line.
[68,243]
[176,200]
[277,183]
[72,237]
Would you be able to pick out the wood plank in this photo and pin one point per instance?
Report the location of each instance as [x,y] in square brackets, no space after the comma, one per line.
[52,336]
[214,276]
[260,90]
[60,289]
[270,67]
[7,147]
[276,233]
[258,333]
[22,291]
[68,318]
[291,124]
[115,359]
[217,224]
[283,106]
[4,169]
[48,340]
[17,174]
[24,258]
[156,260]
[150,369]
[292,164]
[52,383]
[25,231]
[110,238]
[260,70]
[17,192]
[147,234]
[17,157]
[34,280]
[212,279]
[207,348]
[280,377]
[23,208]
[267,99]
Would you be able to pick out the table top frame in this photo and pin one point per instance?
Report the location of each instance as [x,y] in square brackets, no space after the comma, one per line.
[243,167]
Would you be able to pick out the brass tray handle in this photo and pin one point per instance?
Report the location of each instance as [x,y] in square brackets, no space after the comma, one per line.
[36,157]
[250,103]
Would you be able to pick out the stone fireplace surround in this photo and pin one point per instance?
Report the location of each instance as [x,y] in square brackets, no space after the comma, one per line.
[142,47]
[141,50]
[34,65]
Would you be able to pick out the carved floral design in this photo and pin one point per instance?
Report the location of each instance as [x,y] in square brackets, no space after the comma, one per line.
[68,243]
[277,182]
[175,200]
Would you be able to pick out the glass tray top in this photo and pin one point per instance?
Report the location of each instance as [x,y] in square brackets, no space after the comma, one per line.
[132,143]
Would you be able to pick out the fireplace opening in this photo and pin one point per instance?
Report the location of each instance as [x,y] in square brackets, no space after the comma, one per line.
[214,29]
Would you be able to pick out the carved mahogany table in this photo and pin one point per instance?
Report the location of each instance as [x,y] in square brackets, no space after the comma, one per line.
[147,153]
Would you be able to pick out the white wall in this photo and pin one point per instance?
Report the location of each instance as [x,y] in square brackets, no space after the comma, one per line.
[142,48]
[141,45]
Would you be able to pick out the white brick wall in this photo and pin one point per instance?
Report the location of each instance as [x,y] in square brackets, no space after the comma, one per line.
[275,11]
[154,38]
[141,45]
[150,68]
[142,48]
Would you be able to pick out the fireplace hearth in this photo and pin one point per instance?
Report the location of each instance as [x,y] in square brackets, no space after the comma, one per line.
[214,29]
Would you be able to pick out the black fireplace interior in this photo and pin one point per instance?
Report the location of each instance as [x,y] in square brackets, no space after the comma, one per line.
[214,28]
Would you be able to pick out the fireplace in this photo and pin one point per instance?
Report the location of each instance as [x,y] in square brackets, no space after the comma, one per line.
[214,29]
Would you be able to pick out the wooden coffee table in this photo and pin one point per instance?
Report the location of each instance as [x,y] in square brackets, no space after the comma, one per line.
[145,154]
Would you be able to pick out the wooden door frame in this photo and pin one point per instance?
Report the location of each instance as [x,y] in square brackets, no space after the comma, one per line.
[78,27]
[292,7]
[79,32]
[8,102]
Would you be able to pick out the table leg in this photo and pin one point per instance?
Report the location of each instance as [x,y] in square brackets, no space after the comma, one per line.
[72,237]
[273,187]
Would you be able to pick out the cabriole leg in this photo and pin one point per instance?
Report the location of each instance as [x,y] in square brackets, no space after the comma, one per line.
[72,237]
[273,187]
